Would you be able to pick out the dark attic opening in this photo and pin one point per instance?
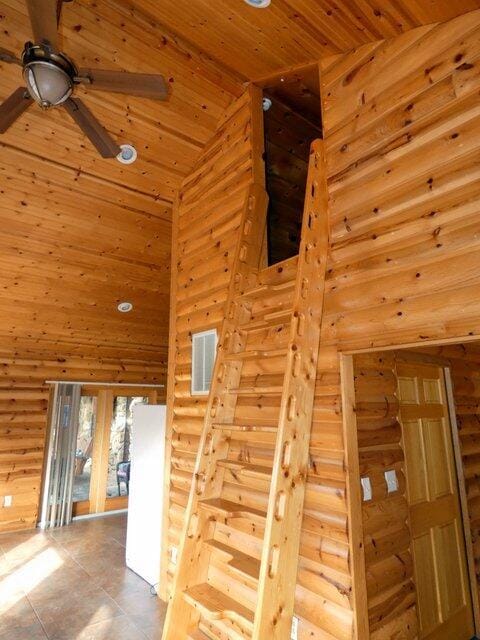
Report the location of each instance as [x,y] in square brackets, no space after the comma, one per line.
[292,120]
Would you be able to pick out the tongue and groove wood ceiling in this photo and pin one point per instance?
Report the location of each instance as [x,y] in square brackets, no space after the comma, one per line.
[79,233]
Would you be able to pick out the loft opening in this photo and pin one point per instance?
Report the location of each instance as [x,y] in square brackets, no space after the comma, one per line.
[292,120]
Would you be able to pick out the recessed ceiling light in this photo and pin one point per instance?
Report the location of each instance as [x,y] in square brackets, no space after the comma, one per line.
[128,154]
[125,307]
[258,4]
[266,104]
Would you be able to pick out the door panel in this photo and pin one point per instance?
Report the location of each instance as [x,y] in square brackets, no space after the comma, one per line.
[438,457]
[443,593]
[415,452]
[425,577]
[452,585]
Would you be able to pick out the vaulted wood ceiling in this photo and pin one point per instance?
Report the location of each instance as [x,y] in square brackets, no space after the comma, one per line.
[253,41]
[79,233]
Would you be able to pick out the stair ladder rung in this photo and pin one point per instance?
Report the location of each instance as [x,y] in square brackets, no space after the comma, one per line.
[261,428]
[225,509]
[242,565]
[247,469]
[271,319]
[197,635]
[256,354]
[215,605]
[257,391]
[263,290]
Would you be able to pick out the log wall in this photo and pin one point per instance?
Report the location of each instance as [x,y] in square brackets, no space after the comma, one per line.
[402,126]
[386,534]
[207,216]
[391,597]
[23,419]
[402,130]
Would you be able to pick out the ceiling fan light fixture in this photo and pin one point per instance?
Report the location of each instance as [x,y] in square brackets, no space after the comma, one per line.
[48,75]
[258,4]
[128,154]
[47,84]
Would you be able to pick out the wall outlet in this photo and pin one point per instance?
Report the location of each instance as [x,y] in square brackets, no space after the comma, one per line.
[174,555]
[391,480]
[294,631]
[367,488]
[7,501]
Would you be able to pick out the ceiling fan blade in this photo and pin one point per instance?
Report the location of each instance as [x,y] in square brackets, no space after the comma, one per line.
[7,56]
[145,85]
[13,107]
[91,127]
[60,4]
[43,17]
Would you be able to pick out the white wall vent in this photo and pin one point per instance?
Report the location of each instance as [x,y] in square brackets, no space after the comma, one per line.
[204,347]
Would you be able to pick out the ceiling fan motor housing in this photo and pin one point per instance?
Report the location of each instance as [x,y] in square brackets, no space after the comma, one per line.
[49,75]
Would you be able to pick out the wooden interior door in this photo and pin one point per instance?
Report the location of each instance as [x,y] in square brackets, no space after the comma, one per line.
[440,567]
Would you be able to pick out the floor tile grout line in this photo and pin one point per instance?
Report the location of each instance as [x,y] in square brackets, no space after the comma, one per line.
[38,617]
[109,538]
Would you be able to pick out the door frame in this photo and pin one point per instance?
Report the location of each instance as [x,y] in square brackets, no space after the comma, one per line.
[353,484]
[98,502]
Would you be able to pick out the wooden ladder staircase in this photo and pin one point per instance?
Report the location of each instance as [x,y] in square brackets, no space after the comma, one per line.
[238,554]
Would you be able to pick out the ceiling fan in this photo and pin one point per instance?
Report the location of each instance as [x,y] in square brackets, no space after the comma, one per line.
[51,77]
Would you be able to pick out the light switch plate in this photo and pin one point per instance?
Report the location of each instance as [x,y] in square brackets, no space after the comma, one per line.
[174,555]
[391,480]
[7,501]
[294,631]
[367,488]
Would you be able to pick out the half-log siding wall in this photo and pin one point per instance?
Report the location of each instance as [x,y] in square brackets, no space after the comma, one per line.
[23,419]
[391,594]
[207,217]
[402,131]
[402,125]
[386,534]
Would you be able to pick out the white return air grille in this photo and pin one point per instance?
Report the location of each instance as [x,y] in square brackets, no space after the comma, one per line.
[204,347]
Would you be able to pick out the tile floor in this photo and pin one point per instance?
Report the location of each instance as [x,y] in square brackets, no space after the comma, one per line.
[72,584]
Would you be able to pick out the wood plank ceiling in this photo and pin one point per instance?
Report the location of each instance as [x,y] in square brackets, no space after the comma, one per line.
[254,42]
[79,233]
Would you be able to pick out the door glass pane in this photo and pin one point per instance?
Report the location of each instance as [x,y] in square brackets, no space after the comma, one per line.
[83,452]
[120,438]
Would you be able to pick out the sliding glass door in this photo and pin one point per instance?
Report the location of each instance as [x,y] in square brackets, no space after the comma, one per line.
[102,469]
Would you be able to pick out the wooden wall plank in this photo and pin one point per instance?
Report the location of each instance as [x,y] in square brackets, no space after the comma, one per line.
[23,420]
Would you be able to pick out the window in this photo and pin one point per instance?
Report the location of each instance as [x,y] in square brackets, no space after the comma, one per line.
[204,346]
[120,437]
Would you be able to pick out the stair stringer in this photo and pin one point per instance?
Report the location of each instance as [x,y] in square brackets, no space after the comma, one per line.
[279,563]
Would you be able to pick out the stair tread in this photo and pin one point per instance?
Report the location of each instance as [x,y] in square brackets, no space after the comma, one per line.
[270,319]
[241,562]
[255,353]
[230,509]
[197,635]
[266,289]
[247,468]
[272,428]
[214,605]
[260,391]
